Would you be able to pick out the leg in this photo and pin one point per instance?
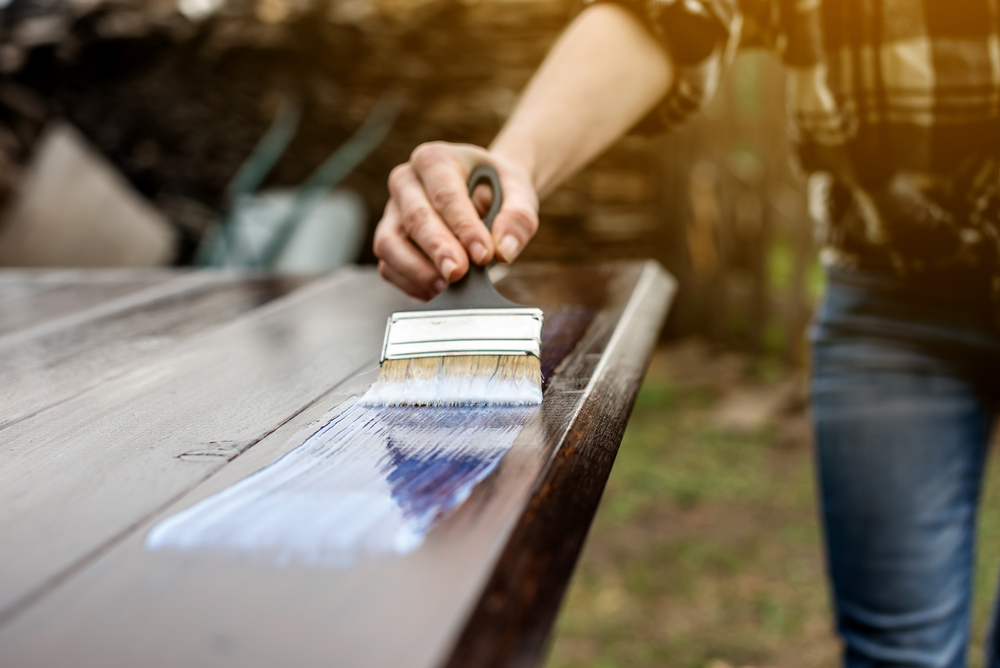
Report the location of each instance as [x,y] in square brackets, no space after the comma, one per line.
[901,443]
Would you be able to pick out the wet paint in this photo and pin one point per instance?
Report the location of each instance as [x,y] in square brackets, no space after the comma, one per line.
[371,482]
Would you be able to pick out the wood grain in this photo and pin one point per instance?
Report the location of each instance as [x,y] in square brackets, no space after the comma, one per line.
[126,606]
[43,370]
[516,611]
[31,297]
[78,478]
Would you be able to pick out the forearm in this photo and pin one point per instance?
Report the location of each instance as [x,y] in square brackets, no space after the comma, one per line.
[603,75]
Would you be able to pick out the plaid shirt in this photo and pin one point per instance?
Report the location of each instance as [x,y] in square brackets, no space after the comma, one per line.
[896,101]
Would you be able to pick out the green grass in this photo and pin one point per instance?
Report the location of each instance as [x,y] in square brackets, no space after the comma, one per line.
[706,551]
[987,560]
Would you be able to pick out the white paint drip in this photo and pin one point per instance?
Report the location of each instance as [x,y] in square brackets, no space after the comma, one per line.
[373,481]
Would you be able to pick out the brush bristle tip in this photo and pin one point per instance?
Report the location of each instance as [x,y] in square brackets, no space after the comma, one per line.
[458,380]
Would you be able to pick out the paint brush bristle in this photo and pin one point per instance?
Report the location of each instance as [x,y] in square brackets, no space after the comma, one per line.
[468,346]
[457,380]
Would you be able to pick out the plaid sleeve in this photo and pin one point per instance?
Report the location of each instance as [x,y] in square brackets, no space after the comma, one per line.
[701,36]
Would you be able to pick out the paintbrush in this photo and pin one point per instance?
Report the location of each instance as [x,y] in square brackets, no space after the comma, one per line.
[468,345]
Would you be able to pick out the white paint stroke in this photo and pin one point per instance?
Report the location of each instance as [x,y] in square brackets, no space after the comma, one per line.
[373,481]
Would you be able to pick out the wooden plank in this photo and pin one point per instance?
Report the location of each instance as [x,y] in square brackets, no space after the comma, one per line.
[44,369]
[179,283]
[77,478]
[32,297]
[515,611]
[57,277]
[131,606]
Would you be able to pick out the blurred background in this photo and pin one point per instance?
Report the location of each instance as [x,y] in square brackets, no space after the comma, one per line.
[217,132]
[260,133]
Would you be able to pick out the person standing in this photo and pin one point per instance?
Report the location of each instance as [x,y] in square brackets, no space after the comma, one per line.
[895,114]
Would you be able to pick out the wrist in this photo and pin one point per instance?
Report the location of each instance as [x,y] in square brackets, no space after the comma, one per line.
[519,154]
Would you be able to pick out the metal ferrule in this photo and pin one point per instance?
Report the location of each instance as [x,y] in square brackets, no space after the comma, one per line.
[488,331]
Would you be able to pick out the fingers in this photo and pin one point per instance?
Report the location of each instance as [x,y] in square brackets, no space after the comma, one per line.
[431,227]
[517,221]
[401,262]
[407,285]
[443,174]
[421,223]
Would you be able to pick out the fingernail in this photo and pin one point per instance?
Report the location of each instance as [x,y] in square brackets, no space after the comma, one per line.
[508,247]
[440,284]
[448,266]
[477,252]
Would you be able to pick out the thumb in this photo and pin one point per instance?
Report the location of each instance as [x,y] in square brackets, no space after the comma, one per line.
[517,220]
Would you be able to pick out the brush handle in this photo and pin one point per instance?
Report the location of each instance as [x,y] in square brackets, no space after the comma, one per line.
[486,174]
[475,289]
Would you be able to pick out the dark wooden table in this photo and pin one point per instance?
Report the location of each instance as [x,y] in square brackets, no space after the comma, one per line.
[128,396]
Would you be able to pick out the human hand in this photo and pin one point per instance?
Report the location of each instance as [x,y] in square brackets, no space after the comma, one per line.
[431,228]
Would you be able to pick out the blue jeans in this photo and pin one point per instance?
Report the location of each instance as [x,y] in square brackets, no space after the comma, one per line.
[905,387]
